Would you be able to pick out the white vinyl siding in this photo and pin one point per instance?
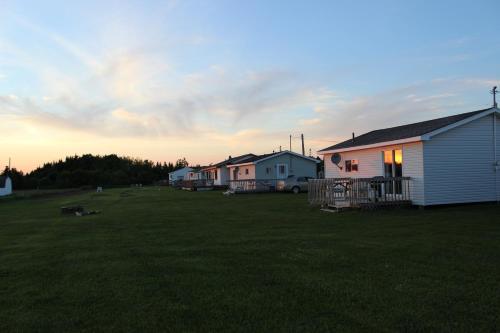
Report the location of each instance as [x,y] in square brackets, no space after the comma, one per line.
[242,175]
[178,174]
[497,174]
[222,176]
[413,166]
[370,164]
[7,188]
[458,164]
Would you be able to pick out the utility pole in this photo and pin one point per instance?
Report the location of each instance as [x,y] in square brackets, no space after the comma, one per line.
[494,92]
[303,149]
[9,164]
[290,142]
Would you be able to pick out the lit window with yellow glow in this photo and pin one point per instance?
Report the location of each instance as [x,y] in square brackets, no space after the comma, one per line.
[398,156]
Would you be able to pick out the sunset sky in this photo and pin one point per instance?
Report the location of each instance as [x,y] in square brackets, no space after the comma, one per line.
[207,79]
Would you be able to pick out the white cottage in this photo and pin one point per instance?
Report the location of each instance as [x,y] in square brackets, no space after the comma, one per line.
[178,174]
[450,160]
[5,186]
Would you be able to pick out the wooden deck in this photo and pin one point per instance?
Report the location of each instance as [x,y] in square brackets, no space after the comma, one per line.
[367,193]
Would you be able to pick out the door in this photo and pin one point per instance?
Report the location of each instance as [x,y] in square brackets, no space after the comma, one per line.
[393,168]
[281,171]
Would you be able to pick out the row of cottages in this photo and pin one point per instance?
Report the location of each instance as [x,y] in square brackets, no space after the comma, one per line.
[5,186]
[449,160]
[260,172]
[219,172]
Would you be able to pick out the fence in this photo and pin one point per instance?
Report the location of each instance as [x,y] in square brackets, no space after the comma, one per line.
[359,192]
[253,185]
[198,183]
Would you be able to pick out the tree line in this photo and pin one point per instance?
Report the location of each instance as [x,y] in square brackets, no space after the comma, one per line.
[93,170]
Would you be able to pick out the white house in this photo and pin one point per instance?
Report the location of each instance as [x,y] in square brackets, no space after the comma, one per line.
[178,174]
[454,159]
[219,172]
[5,186]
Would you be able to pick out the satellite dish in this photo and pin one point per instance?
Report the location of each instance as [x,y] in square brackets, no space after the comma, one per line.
[336,158]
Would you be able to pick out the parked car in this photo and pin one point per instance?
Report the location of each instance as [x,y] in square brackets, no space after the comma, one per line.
[294,184]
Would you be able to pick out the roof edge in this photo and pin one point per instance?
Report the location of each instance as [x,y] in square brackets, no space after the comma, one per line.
[428,136]
[312,159]
[287,152]
[373,145]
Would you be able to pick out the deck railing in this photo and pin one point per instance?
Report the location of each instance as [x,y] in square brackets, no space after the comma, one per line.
[197,183]
[357,192]
[253,185]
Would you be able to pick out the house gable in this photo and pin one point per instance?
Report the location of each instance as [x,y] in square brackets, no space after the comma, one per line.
[459,163]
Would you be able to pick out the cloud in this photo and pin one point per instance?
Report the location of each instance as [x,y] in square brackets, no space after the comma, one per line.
[131,84]
[335,121]
[310,122]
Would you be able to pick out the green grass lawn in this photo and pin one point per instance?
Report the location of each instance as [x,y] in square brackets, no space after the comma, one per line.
[166,260]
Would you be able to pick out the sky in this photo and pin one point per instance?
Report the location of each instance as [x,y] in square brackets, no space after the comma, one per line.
[162,80]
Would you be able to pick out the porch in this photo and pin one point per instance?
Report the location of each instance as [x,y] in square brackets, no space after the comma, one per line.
[369,193]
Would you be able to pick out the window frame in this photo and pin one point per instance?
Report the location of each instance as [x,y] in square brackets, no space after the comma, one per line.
[284,174]
[351,165]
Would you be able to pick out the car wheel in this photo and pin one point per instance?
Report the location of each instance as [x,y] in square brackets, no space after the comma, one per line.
[296,190]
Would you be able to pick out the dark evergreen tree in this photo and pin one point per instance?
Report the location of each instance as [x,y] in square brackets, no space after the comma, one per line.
[90,170]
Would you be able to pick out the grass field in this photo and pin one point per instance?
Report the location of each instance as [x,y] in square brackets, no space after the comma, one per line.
[165,260]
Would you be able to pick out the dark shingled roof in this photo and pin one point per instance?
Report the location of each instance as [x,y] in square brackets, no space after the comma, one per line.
[255,158]
[402,132]
[234,160]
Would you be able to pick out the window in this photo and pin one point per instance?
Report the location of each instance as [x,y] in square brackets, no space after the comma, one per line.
[268,171]
[215,175]
[393,163]
[246,171]
[351,165]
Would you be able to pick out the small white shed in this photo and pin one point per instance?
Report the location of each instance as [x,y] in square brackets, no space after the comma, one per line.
[5,186]
[450,160]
